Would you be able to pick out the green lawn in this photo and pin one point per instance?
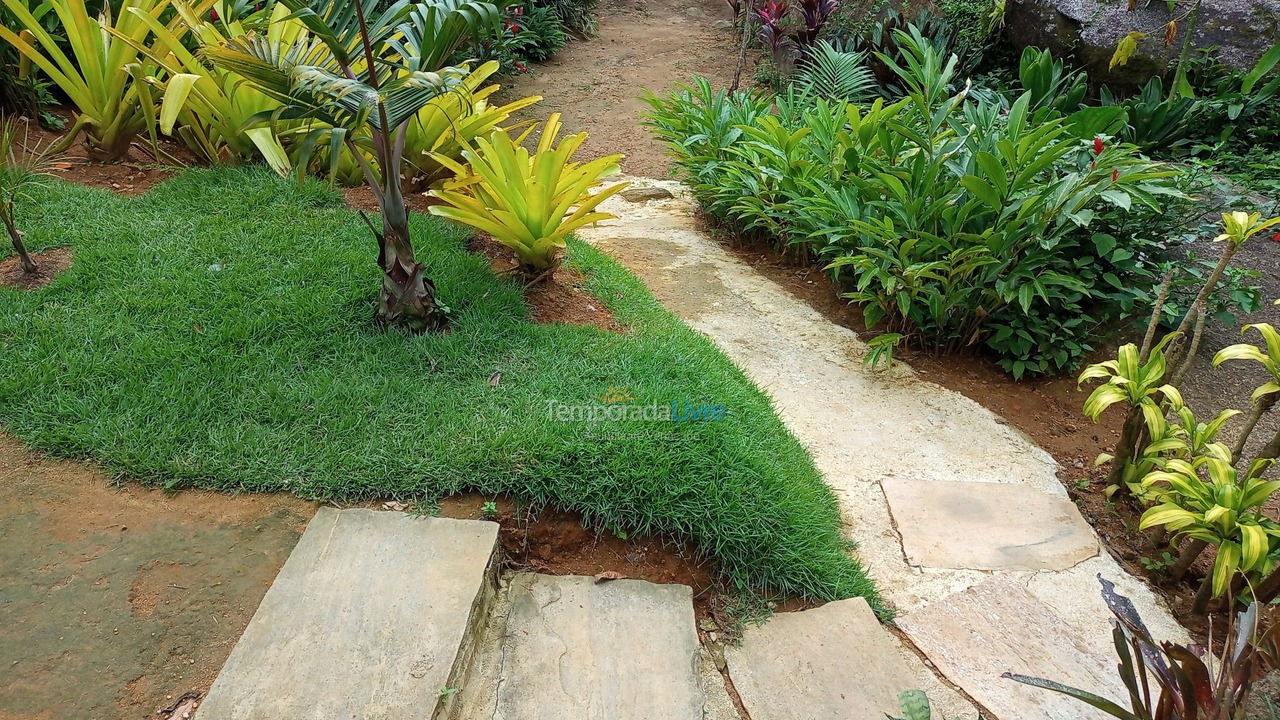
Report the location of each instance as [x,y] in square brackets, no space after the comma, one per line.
[216,333]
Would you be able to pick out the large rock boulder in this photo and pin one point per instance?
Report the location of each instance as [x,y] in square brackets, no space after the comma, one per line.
[1088,29]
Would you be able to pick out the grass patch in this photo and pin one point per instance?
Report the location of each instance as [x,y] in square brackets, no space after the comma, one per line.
[216,333]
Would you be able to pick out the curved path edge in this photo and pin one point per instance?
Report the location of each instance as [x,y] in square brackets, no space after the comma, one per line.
[959,517]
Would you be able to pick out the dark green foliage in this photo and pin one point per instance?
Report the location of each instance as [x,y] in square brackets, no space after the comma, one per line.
[530,32]
[911,205]
[1157,120]
[836,75]
[217,333]
[578,17]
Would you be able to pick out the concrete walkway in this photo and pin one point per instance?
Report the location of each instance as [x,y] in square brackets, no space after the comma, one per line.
[959,517]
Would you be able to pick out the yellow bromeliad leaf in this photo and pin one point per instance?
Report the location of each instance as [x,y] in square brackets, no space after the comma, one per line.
[529,202]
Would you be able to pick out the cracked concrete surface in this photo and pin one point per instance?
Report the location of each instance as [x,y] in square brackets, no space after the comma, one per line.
[863,427]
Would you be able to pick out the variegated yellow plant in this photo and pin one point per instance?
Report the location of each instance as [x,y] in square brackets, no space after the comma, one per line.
[95,76]
[1265,396]
[1225,511]
[209,108]
[529,202]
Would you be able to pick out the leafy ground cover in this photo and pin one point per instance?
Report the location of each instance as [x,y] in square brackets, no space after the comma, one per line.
[216,333]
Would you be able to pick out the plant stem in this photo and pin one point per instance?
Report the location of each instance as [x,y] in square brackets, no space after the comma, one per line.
[1271,451]
[1190,551]
[742,50]
[15,235]
[1196,337]
[1198,304]
[1268,589]
[1260,408]
[1203,596]
[1126,446]
[1162,296]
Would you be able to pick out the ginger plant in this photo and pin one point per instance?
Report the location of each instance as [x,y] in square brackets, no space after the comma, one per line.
[22,170]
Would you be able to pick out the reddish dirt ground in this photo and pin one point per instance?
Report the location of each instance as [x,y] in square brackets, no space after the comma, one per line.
[49,265]
[560,298]
[641,45]
[119,599]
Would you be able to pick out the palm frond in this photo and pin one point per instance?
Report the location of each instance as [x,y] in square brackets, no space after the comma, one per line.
[837,75]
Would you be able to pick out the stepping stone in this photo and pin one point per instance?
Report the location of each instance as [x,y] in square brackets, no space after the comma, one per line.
[998,626]
[987,526]
[835,662]
[581,650]
[367,620]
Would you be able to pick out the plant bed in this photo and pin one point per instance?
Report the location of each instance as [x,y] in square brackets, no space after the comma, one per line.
[217,333]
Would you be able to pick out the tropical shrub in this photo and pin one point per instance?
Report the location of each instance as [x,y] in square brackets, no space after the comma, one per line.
[529,32]
[1160,464]
[366,68]
[529,202]
[94,76]
[836,75]
[577,17]
[957,221]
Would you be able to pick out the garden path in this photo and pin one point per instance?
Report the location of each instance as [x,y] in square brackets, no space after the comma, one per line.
[960,518]
[640,45]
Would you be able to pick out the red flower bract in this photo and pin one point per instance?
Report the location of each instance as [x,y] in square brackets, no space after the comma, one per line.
[1098,147]
[1115,175]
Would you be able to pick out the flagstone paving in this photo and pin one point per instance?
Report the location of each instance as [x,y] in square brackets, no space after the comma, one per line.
[872,432]
[834,662]
[987,526]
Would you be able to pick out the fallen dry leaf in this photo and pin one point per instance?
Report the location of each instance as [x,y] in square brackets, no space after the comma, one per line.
[394,505]
[608,575]
[495,378]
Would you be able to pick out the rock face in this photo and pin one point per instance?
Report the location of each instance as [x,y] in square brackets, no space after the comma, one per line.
[1241,30]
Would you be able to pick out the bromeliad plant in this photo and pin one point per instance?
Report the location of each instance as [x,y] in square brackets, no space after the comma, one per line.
[367,66]
[1168,681]
[95,76]
[529,202]
[211,109]
[23,168]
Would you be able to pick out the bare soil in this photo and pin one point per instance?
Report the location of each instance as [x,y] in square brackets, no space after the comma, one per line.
[118,599]
[49,265]
[641,45]
[560,297]
[136,174]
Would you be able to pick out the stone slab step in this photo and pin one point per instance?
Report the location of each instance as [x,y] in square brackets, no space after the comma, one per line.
[368,619]
[580,650]
[835,662]
[987,526]
[998,626]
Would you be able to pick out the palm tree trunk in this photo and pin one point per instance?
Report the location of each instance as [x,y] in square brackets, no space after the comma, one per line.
[1126,446]
[15,235]
[407,297]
